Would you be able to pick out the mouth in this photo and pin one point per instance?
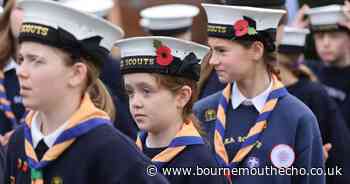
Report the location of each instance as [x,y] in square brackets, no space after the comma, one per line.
[139,115]
[219,71]
[24,89]
[139,118]
[327,53]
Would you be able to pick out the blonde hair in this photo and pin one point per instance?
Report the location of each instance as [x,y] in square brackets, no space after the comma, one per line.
[8,45]
[98,92]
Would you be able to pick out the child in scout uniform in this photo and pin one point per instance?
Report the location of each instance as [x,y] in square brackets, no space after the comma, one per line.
[332,42]
[67,137]
[301,82]
[160,77]
[11,107]
[175,20]
[254,122]
[110,74]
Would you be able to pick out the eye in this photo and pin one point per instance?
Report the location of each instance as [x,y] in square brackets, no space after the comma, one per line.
[38,61]
[146,91]
[19,59]
[221,50]
[129,92]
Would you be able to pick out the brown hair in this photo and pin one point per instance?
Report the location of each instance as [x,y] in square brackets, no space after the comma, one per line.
[94,86]
[174,84]
[206,70]
[269,58]
[7,48]
[290,61]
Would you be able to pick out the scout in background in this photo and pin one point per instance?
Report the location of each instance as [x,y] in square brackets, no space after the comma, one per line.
[160,77]
[301,82]
[12,109]
[175,20]
[254,122]
[332,42]
[67,129]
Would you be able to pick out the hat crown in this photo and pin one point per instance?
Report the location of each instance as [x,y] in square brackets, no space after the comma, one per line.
[139,46]
[294,36]
[167,17]
[326,17]
[170,11]
[228,15]
[164,55]
[79,24]
[99,8]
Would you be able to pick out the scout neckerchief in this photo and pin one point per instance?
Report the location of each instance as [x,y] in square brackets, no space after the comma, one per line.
[5,104]
[86,118]
[188,135]
[254,133]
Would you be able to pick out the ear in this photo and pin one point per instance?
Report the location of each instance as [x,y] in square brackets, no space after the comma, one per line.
[183,96]
[78,74]
[257,50]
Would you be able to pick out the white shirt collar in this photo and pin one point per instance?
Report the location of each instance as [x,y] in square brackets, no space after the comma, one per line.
[48,139]
[258,101]
[10,65]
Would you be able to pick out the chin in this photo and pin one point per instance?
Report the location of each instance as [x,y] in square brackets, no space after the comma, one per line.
[329,61]
[28,104]
[143,126]
[223,80]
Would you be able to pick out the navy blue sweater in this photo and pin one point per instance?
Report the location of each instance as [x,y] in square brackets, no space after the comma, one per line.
[291,123]
[331,122]
[103,155]
[112,78]
[192,156]
[211,86]
[337,82]
[12,91]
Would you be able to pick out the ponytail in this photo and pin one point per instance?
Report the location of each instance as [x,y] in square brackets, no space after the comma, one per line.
[102,99]
[296,66]
[206,70]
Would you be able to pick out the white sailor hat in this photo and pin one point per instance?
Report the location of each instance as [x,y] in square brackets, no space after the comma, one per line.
[164,55]
[293,40]
[170,19]
[99,8]
[326,18]
[53,24]
[242,22]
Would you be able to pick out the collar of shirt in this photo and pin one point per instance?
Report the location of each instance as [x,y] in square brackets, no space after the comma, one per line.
[48,139]
[10,65]
[258,101]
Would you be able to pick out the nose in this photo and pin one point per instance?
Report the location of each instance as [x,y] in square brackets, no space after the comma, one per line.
[135,102]
[214,60]
[22,71]
[326,40]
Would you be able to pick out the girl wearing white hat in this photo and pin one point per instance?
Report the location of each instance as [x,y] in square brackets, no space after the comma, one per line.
[68,136]
[257,124]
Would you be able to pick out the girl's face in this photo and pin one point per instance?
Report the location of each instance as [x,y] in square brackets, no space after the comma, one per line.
[151,105]
[231,60]
[16,18]
[43,75]
[332,47]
